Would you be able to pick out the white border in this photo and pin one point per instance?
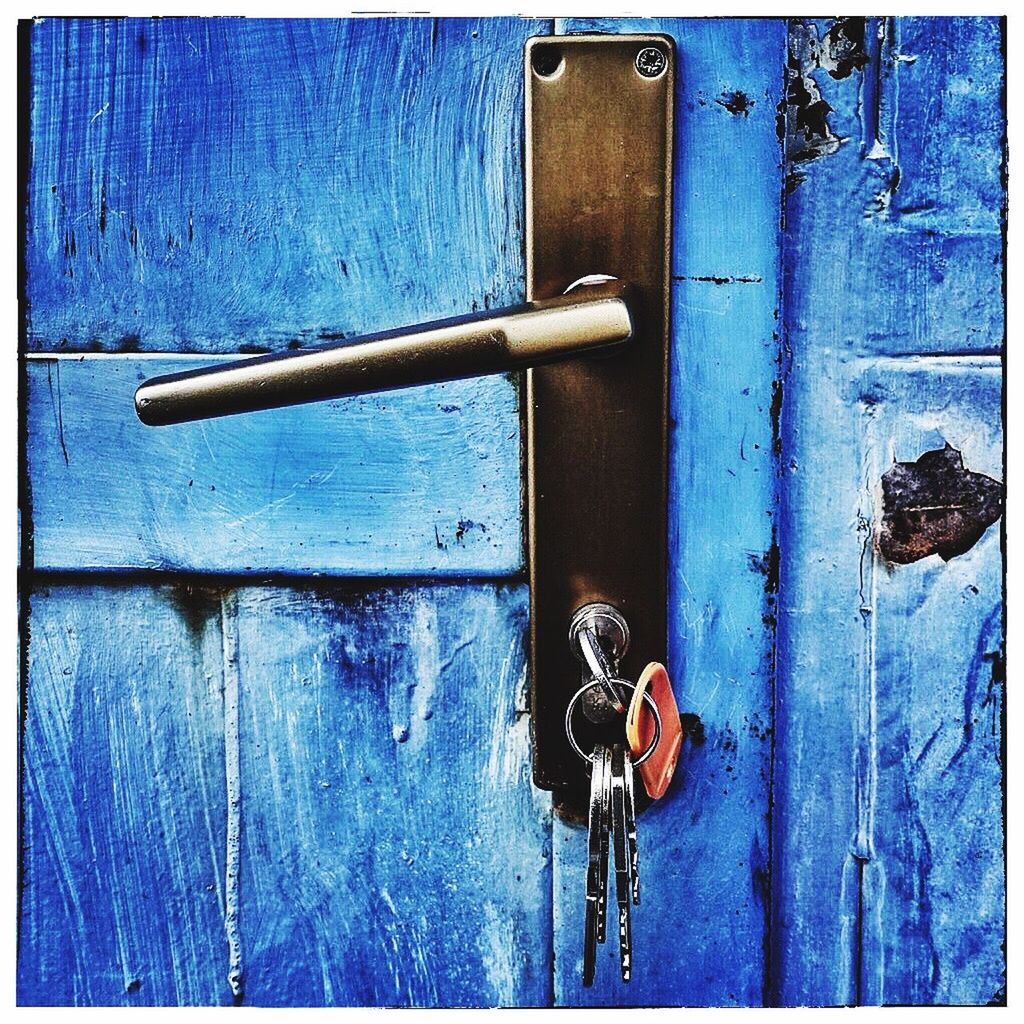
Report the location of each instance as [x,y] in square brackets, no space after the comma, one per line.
[8,453]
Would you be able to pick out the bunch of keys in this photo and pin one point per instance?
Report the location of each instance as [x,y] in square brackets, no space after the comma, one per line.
[612,806]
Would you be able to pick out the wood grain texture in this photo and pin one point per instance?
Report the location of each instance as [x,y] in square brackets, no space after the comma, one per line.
[259,184]
[875,899]
[701,932]
[419,481]
[122,890]
[222,185]
[284,796]
[394,851]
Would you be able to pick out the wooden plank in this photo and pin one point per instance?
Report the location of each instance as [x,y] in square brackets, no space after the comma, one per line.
[814,795]
[701,933]
[867,264]
[122,884]
[394,851]
[221,185]
[418,481]
[282,796]
[934,896]
[224,165]
[279,164]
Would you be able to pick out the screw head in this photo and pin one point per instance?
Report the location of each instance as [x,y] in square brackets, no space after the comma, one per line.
[651,61]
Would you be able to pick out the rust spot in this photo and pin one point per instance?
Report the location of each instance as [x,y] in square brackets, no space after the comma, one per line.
[935,506]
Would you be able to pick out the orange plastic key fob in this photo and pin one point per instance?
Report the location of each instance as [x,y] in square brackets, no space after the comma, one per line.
[658,769]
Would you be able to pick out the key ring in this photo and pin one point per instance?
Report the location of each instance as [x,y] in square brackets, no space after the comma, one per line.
[648,700]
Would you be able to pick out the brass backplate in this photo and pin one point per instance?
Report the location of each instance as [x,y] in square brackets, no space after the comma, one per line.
[598,201]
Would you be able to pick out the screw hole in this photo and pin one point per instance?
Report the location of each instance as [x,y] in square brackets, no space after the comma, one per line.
[547,60]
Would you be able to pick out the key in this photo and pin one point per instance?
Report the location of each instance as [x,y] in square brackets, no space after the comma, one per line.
[620,848]
[602,671]
[656,772]
[634,852]
[606,825]
[596,872]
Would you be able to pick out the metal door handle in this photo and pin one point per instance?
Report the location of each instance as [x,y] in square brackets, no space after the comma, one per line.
[598,162]
[593,316]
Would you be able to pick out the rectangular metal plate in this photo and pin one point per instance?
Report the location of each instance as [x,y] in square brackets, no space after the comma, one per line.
[598,201]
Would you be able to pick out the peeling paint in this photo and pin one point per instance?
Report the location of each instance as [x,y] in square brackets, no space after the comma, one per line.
[721,279]
[843,50]
[808,134]
[804,123]
[935,506]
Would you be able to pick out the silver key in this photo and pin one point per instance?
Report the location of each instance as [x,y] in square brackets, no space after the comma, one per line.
[620,848]
[606,826]
[634,852]
[597,852]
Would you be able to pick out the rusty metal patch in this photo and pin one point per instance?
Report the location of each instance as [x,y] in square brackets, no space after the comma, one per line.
[935,506]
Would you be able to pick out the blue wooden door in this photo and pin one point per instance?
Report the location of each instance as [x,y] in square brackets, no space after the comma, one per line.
[275,736]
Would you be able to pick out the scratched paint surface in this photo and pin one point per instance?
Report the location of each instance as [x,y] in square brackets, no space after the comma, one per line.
[290,792]
[394,851]
[388,847]
[124,813]
[888,814]
[209,185]
[934,887]
[422,480]
[214,186]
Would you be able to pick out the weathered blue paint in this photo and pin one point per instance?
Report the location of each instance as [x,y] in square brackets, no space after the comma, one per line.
[389,849]
[318,794]
[418,481]
[702,928]
[934,888]
[124,807]
[215,185]
[393,850]
[890,790]
[262,184]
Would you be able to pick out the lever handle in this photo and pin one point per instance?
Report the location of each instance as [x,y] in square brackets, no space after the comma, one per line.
[591,317]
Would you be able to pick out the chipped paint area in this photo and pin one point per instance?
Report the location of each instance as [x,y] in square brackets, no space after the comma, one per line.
[808,133]
[935,506]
